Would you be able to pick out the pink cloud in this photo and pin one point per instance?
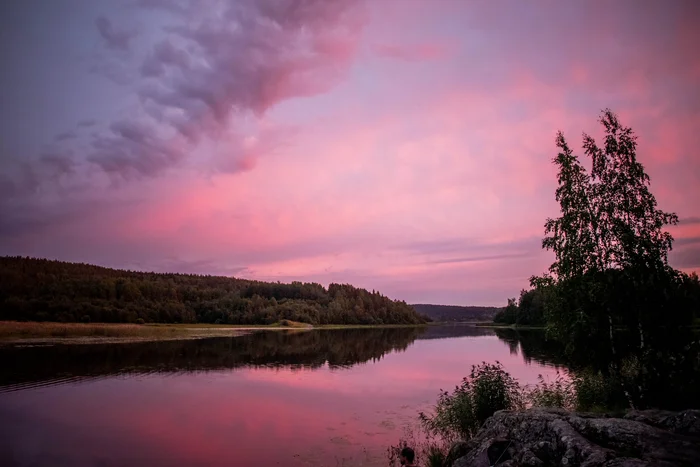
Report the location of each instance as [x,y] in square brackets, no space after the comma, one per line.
[264,140]
[114,37]
[412,53]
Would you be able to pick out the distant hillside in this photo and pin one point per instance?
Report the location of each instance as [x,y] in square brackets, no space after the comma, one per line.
[45,290]
[450,313]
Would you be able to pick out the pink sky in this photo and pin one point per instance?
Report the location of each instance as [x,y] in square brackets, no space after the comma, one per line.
[403,146]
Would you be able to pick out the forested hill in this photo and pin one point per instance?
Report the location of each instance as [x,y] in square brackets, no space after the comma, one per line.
[450,313]
[47,290]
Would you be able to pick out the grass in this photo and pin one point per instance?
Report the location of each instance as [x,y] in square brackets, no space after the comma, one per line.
[488,324]
[366,326]
[282,325]
[13,331]
[34,330]
[210,326]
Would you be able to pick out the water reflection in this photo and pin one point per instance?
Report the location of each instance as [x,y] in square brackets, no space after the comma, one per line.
[319,398]
[664,374]
[25,366]
[533,346]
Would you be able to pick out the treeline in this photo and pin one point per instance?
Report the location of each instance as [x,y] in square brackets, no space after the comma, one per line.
[47,290]
[670,298]
[455,313]
[611,268]
[616,313]
[528,310]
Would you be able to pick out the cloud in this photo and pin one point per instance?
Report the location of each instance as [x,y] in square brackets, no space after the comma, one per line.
[57,163]
[66,136]
[114,38]
[8,189]
[87,123]
[164,54]
[117,71]
[172,6]
[209,267]
[22,219]
[689,220]
[413,178]
[686,258]
[23,179]
[134,149]
[240,153]
[686,241]
[250,56]
[474,259]
[229,60]
[206,73]
[411,53]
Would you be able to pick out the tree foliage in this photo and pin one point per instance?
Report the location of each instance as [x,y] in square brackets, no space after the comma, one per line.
[609,219]
[610,298]
[611,250]
[527,311]
[45,290]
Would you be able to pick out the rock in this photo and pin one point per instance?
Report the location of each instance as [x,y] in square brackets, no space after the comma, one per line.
[685,423]
[457,450]
[544,437]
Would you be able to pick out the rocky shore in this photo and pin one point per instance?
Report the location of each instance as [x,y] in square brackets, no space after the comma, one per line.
[553,437]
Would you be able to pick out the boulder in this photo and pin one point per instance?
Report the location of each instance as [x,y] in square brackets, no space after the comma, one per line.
[549,437]
[685,423]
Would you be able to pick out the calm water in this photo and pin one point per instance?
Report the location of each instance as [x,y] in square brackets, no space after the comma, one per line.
[332,397]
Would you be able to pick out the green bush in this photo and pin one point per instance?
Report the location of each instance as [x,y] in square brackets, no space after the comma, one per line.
[435,457]
[459,414]
[560,393]
[594,392]
[140,321]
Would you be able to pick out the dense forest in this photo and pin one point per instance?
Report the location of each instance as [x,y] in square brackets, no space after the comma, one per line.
[610,301]
[611,266]
[528,310]
[47,290]
[457,314]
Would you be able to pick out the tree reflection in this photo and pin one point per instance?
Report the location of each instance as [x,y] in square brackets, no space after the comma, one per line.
[291,349]
[665,374]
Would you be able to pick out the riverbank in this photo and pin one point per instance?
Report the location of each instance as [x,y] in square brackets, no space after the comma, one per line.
[42,333]
[507,326]
[558,437]
[36,333]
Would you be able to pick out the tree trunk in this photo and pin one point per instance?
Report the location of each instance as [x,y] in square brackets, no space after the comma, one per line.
[610,327]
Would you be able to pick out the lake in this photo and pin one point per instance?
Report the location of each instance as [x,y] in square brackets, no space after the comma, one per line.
[292,398]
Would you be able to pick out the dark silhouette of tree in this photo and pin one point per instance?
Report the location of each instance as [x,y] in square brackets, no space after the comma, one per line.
[528,310]
[611,249]
[611,269]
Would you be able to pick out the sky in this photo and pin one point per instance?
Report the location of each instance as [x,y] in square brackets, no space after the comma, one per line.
[399,145]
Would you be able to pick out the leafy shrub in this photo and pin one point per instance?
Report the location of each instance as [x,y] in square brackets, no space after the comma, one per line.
[593,391]
[435,456]
[560,393]
[459,414]
[430,452]
[140,321]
